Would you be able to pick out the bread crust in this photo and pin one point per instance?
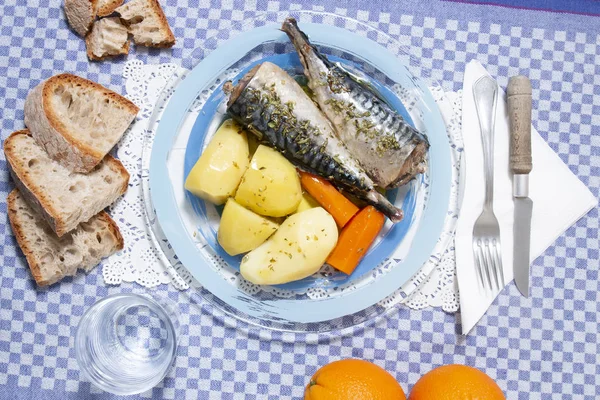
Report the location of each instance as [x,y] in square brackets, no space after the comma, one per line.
[37,198]
[34,266]
[114,229]
[165,28]
[80,15]
[34,197]
[108,8]
[170,40]
[51,133]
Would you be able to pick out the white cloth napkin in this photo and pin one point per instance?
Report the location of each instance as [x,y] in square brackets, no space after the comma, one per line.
[559,198]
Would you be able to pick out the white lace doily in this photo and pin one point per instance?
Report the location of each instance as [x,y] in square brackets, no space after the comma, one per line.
[141,260]
[148,259]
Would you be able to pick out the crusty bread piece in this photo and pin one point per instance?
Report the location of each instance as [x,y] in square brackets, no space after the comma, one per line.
[107,7]
[80,15]
[108,38]
[51,258]
[62,198]
[77,121]
[147,23]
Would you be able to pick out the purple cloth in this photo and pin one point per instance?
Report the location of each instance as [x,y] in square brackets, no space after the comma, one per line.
[581,7]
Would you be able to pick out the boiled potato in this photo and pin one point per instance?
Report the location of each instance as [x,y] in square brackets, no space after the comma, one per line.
[297,250]
[218,171]
[306,203]
[242,230]
[271,185]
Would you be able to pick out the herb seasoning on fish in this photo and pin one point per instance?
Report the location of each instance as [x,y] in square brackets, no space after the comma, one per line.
[390,150]
[275,108]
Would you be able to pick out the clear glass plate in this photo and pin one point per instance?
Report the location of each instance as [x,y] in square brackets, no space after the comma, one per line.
[328,300]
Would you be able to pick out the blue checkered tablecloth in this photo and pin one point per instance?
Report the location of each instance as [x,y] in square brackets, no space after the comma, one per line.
[544,347]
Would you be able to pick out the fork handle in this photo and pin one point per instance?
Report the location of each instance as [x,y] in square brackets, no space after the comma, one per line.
[519,111]
[485,95]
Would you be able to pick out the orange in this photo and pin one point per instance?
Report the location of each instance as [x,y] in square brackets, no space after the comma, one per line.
[456,382]
[353,380]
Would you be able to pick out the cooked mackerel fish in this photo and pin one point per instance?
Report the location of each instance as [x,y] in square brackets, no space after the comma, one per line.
[388,148]
[272,105]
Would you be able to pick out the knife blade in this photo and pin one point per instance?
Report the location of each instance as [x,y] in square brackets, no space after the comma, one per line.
[522,237]
[519,111]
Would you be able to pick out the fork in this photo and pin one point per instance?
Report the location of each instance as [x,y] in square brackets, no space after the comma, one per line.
[486,232]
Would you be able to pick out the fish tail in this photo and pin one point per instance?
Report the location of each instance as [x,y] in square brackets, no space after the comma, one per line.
[381,203]
[300,40]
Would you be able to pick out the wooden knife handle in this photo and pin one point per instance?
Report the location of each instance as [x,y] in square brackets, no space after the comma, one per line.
[519,113]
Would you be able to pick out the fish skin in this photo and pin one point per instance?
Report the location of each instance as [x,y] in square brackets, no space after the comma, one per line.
[273,106]
[389,149]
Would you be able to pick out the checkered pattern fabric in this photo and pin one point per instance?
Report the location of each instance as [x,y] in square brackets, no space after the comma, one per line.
[544,347]
[141,331]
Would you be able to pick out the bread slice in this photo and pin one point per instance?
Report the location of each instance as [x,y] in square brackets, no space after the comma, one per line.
[63,198]
[147,23]
[51,258]
[107,7]
[108,38]
[77,121]
[80,15]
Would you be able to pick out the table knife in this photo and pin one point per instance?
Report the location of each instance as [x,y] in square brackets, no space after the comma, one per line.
[519,111]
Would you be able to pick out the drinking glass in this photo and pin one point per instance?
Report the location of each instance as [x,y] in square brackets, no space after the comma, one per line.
[125,343]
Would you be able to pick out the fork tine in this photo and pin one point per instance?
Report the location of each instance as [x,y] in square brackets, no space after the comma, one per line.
[499,269]
[488,264]
[492,264]
[482,266]
[496,265]
[478,266]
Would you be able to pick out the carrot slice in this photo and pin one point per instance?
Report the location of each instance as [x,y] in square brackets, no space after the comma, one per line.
[355,239]
[340,208]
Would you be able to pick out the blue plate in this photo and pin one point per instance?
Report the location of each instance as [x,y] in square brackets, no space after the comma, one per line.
[298,309]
